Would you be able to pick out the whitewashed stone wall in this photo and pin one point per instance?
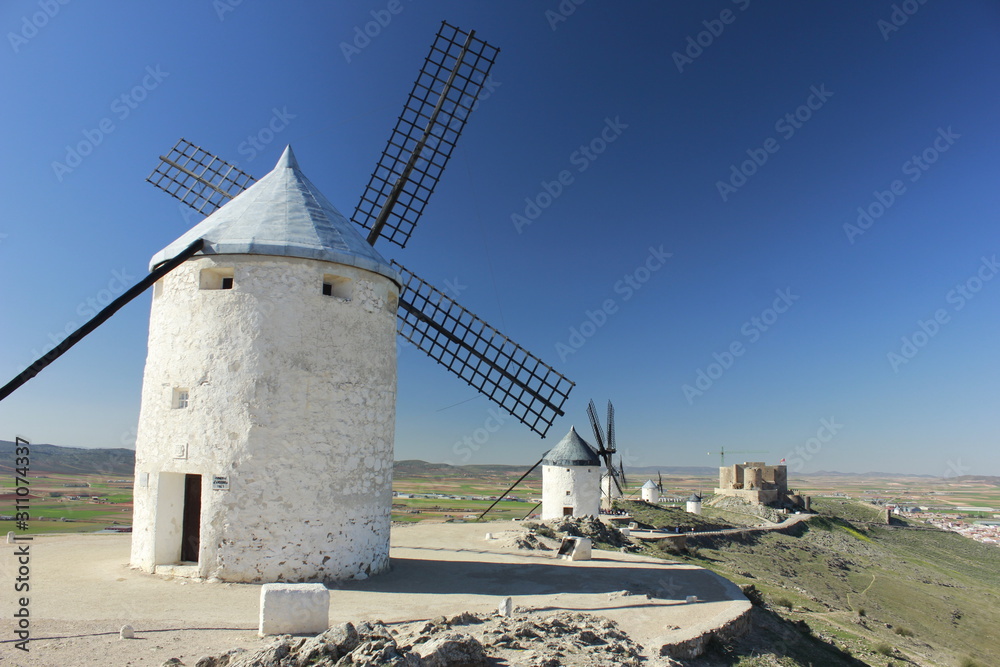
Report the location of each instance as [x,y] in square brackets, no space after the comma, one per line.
[583,484]
[292,398]
[609,490]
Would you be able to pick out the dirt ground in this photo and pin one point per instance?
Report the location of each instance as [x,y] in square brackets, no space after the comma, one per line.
[83,591]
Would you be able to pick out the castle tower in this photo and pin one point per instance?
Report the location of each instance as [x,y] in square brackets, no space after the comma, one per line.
[265,443]
[650,493]
[571,479]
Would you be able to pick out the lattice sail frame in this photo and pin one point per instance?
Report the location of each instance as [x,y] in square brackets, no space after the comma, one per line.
[203,181]
[425,134]
[510,376]
[595,425]
[611,429]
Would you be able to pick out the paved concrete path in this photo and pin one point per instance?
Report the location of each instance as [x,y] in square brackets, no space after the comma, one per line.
[82,592]
[661,534]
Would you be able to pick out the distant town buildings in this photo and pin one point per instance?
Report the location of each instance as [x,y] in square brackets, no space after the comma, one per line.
[987,532]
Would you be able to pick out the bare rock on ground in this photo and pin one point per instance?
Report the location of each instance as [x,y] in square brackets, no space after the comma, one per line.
[454,649]
[367,645]
[598,531]
[516,539]
[529,638]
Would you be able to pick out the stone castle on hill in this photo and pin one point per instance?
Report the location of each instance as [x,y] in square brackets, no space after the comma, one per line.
[760,484]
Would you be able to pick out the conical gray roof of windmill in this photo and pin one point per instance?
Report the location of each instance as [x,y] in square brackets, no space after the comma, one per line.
[572,450]
[282,214]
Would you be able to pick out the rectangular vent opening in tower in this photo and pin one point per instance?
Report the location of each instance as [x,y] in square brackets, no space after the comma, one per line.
[216,278]
[338,286]
[180,399]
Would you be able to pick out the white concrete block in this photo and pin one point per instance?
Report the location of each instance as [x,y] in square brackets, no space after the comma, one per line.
[294,609]
[506,607]
[11,537]
[126,632]
[582,549]
[691,598]
[575,548]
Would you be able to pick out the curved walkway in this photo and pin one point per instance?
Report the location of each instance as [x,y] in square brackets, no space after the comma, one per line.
[662,534]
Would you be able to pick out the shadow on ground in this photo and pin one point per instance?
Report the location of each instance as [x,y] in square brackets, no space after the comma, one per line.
[545,577]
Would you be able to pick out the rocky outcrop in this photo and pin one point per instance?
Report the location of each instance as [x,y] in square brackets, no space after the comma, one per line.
[598,531]
[464,640]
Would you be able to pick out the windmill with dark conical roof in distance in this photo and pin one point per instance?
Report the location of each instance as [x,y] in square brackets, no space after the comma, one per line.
[571,476]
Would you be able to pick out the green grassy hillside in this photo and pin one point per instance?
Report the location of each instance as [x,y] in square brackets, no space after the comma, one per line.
[878,595]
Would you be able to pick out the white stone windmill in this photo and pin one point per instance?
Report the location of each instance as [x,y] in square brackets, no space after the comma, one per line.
[571,479]
[265,444]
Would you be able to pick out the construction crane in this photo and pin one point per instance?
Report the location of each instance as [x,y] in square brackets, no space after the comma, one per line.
[722,454]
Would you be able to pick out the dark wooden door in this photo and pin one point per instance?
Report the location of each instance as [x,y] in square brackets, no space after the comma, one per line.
[191,530]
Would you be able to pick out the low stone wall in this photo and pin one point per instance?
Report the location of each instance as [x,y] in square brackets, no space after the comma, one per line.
[693,647]
[709,537]
[691,642]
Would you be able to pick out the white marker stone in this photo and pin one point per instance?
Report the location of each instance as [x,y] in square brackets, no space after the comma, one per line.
[506,607]
[294,609]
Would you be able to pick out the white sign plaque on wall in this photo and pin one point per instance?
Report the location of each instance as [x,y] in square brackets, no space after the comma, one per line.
[220,482]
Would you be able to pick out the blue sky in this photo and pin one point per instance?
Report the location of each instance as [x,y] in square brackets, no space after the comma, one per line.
[745,152]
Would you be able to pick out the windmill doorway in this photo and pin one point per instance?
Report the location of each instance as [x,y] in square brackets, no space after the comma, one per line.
[177,528]
[191,526]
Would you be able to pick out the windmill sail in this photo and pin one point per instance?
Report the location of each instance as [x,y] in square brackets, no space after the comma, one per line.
[419,147]
[611,429]
[497,367]
[606,447]
[203,181]
[421,144]
[595,424]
